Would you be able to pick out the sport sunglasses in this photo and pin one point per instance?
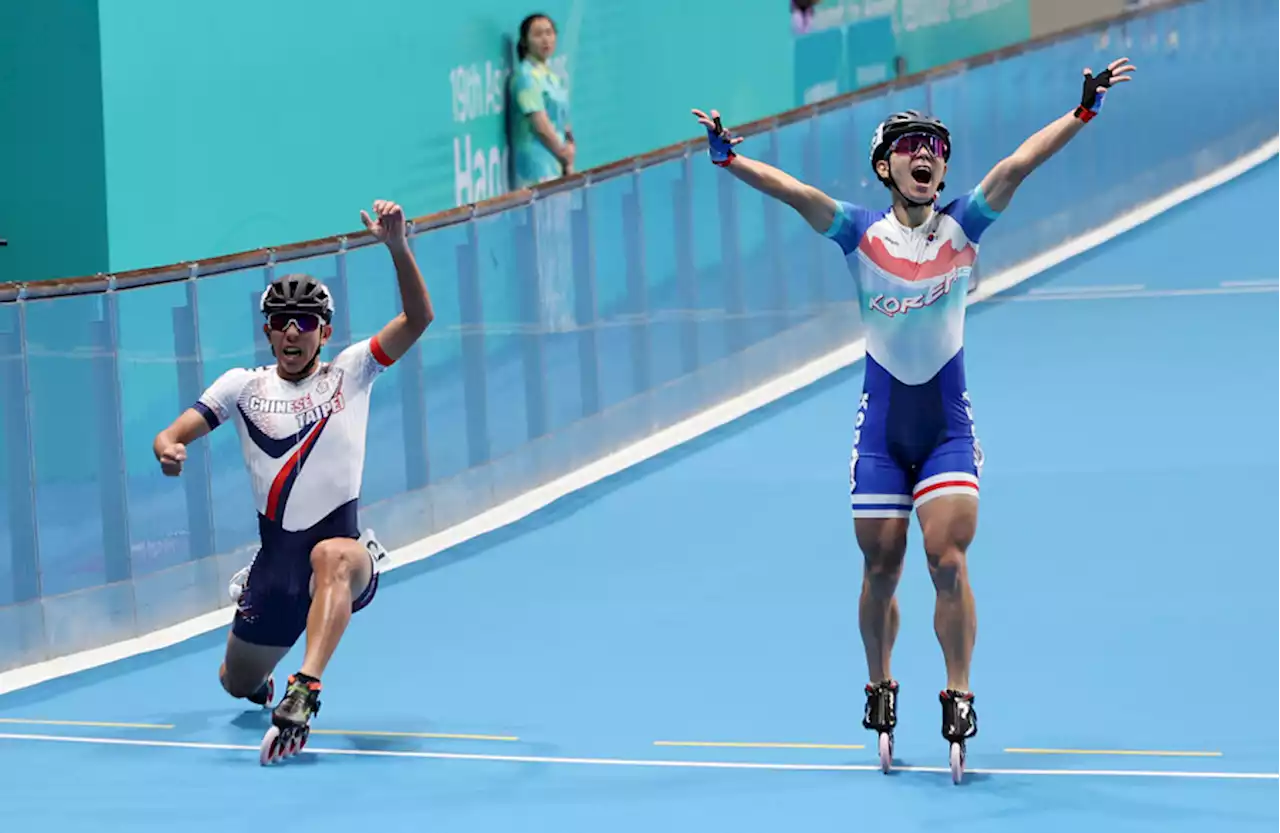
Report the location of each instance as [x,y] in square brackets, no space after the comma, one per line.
[910,143]
[304,321]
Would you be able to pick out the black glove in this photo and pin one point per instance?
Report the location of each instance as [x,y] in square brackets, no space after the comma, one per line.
[1095,90]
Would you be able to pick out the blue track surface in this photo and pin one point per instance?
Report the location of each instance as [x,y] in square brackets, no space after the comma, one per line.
[1125,572]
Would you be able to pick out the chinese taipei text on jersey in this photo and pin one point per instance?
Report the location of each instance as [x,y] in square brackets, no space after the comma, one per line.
[913,435]
[304,445]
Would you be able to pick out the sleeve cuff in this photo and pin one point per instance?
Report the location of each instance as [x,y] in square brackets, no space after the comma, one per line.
[209,416]
[836,222]
[379,355]
[980,201]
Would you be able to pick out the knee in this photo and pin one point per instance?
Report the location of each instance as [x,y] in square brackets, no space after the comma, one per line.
[331,560]
[237,686]
[947,536]
[883,552]
[946,566]
[884,567]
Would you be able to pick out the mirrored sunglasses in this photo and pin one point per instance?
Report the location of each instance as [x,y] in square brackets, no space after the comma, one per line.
[911,143]
[304,321]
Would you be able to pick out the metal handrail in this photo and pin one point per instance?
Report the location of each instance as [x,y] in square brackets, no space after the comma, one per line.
[186,270]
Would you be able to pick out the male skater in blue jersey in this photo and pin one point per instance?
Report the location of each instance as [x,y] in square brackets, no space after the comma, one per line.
[914,445]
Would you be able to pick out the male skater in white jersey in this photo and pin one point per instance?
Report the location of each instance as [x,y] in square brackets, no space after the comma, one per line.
[302,426]
[914,443]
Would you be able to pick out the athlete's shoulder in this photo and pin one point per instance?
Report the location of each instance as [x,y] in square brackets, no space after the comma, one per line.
[359,351]
[851,222]
[364,358]
[218,402]
[972,212]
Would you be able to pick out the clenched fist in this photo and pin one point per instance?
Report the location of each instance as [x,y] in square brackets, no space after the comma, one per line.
[171,457]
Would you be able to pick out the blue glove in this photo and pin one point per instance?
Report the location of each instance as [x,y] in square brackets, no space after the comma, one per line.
[720,149]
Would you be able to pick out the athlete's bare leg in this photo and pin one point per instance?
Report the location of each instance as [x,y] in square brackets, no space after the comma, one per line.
[883,542]
[948,524]
[246,666]
[341,570]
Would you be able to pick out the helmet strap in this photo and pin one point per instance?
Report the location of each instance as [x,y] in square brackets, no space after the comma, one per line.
[315,357]
[310,365]
[893,184]
[306,370]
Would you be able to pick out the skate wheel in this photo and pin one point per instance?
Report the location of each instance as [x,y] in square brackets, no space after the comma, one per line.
[270,746]
[886,752]
[957,762]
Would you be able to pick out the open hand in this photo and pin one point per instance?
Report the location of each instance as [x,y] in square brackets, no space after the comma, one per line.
[387,224]
[1096,86]
[721,141]
[714,128]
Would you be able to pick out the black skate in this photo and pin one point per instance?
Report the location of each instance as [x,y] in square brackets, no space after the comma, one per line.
[959,723]
[290,721]
[265,693]
[882,716]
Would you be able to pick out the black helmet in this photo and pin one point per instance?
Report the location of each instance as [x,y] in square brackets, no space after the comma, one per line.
[298,293]
[900,124]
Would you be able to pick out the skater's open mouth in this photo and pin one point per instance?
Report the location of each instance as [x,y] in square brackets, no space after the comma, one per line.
[922,173]
[292,351]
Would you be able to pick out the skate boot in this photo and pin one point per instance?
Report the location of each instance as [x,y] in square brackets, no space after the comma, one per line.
[959,723]
[882,716]
[265,693]
[290,721]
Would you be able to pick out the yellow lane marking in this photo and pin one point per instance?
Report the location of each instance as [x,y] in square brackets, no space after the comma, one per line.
[23,721]
[546,759]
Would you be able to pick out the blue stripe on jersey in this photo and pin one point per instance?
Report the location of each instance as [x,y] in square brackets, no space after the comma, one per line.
[210,418]
[291,475]
[270,445]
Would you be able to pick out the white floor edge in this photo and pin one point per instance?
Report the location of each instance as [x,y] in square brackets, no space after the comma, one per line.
[656,444]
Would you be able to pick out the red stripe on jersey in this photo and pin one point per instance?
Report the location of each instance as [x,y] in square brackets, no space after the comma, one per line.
[282,476]
[943,485]
[947,258]
[379,354]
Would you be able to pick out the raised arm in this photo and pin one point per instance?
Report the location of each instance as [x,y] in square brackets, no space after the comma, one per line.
[1003,180]
[399,334]
[818,209]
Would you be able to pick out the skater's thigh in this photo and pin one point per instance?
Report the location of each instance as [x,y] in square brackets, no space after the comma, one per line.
[880,496]
[882,539]
[247,665]
[881,502]
[343,558]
